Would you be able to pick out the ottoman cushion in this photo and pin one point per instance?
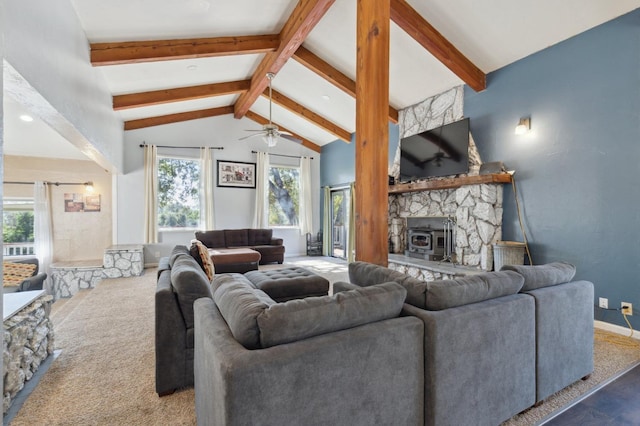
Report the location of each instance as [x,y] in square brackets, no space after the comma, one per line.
[289,283]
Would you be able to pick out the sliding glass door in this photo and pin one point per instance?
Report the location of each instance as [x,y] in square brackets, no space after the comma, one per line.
[340,199]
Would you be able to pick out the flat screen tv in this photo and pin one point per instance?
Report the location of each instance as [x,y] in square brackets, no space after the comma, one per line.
[443,151]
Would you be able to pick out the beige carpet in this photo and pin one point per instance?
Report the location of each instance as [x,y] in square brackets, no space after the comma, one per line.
[105,374]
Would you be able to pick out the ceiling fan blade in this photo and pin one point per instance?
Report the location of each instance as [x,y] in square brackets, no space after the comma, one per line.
[247,130]
[288,136]
[250,136]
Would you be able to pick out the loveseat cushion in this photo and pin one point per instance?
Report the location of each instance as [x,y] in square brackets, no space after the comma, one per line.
[259,236]
[445,294]
[15,273]
[236,237]
[240,305]
[538,276]
[303,318]
[365,274]
[189,283]
[211,239]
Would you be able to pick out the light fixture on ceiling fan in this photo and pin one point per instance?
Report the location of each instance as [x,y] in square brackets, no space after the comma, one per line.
[270,132]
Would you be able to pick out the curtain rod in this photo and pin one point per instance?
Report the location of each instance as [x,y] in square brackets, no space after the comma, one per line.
[142,145]
[281,155]
[89,183]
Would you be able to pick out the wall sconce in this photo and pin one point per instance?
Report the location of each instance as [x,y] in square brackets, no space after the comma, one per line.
[524,125]
[88,186]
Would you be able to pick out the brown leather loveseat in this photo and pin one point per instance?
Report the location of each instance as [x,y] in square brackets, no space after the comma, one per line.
[261,240]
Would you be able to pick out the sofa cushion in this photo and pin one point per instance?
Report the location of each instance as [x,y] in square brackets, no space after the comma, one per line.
[236,237]
[189,283]
[176,252]
[471,289]
[211,239]
[240,305]
[303,318]
[201,254]
[259,236]
[365,274]
[538,276]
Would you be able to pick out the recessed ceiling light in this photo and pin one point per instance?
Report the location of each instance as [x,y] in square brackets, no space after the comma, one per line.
[25,117]
[192,67]
[326,97]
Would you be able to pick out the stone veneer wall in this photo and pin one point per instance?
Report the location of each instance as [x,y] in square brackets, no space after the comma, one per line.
[28,341]
[477,209]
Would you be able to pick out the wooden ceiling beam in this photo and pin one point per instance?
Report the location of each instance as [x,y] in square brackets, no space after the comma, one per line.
[300,110]
[429,38]
[177,118]
[156,97]
[133,52]
[332,75]
[299,24]
[305,142]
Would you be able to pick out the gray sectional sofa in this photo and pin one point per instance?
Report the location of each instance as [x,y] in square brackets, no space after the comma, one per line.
[495,343]
[261,240]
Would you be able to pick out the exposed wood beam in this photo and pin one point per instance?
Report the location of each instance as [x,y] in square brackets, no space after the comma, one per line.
[302,20]
[137,100]
[176,118]
[318,120]
[372,131]
[132,52]
[332,75]
[418,28]
[305,142]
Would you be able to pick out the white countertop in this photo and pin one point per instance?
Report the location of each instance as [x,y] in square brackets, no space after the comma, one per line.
[14,302]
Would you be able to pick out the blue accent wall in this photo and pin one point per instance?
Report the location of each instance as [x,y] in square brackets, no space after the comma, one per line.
[577,170]
[338,160]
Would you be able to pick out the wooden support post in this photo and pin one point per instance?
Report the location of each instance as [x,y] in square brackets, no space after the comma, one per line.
[372,131]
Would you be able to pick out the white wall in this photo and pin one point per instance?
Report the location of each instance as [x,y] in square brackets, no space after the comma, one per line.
[46,45]
[233,206]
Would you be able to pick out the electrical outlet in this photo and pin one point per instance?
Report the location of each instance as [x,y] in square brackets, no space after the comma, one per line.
[628,306]
[603,302]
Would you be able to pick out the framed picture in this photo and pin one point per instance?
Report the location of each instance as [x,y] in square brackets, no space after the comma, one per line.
[234,174]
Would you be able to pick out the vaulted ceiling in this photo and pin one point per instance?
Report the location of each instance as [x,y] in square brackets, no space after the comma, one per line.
[174,60]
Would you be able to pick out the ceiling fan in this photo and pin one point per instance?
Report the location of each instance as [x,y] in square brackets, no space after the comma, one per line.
[270,132]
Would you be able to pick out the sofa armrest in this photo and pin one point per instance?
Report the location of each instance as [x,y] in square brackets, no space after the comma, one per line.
[277,241]
[33,283]
[340,286]
[236,386]
[170,339]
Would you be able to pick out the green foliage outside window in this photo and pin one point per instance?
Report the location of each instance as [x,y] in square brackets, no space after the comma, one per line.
[284,200]
[178,193]
[17,226]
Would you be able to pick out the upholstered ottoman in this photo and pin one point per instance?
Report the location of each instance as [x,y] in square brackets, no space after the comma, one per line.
[238,260]
[289,283]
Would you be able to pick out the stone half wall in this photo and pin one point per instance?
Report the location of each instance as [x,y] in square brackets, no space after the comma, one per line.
[28,341]
[476,209]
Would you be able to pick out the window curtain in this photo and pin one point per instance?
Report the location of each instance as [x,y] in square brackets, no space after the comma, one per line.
[306,209]
[206,189]
[351,244]
[326,223]
[43,230]
[261,215]
[150,194]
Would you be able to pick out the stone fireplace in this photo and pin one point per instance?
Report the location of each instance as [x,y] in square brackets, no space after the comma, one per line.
[476,209]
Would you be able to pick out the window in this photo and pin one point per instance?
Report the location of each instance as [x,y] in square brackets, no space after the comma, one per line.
[178,193]
[18,226]
[284,200]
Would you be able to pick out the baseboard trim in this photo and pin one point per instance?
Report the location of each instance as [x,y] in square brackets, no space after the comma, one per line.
[615,329]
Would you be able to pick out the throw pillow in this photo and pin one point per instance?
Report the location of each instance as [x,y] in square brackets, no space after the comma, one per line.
[14,273]
[204,258]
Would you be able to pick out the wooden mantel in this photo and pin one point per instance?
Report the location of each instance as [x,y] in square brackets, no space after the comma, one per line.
[448,183]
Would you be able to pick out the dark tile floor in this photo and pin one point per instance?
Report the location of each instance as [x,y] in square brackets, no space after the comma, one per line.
[617,403]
